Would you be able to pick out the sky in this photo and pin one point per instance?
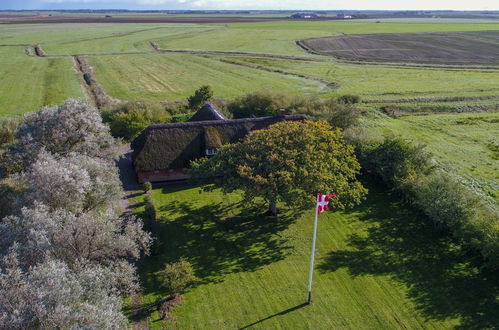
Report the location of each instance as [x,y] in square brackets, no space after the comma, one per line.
[252,4]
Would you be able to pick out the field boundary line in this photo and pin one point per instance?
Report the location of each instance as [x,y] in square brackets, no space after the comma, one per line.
[224,53]
[328,84]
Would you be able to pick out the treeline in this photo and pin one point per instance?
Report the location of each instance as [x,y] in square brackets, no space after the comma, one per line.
[65,246]
[449,205]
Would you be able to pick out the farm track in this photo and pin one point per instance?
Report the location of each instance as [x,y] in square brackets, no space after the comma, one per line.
[329,84]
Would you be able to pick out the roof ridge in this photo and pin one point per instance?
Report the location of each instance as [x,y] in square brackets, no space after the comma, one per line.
[226,121]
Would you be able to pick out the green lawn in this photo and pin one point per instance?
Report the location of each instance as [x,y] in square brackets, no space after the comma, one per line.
[465,145]
[29,83]
[378,266]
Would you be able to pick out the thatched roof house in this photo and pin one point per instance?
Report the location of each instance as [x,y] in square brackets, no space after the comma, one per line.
[163,152]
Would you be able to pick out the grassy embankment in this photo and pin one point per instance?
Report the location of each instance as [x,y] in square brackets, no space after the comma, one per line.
[378,266]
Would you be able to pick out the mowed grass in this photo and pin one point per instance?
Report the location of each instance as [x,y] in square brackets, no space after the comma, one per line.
[380,82]
[465,145]
[175,76]
[137,39]
[280,37]
[378,266]
[29,83]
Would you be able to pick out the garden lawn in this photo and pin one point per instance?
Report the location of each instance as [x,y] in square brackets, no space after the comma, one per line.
[378,266]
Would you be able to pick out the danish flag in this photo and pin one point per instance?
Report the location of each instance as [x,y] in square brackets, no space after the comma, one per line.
[323,202]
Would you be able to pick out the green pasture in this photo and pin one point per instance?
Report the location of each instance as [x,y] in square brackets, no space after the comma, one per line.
[465,145]
[29,83]
[158,77]
[279,37]
[378,266]
[385,82]
[175,76]
[127,41]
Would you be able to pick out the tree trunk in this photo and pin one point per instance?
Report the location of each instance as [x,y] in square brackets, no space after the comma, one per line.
[273,207]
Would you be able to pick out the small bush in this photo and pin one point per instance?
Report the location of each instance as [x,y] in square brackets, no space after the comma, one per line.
[445,202]
[396,161]
[147,186]
[128,120]
[348,99]
[177,276]
[201,96]
[258,104]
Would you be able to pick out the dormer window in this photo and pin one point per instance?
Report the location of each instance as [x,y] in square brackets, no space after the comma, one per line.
[211,151]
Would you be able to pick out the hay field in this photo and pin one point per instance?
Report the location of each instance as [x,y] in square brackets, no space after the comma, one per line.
[27,83]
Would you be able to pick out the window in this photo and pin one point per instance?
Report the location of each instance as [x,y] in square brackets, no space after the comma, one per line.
[211,151]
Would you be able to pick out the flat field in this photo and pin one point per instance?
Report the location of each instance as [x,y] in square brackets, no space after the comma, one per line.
[174,76]
[27,83]
[129,68]
[464,48]
[378,266]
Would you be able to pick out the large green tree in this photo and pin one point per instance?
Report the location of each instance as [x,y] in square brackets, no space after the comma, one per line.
[288,162]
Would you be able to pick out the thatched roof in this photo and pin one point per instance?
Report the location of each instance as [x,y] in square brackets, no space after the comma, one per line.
[174,146]
[207,112]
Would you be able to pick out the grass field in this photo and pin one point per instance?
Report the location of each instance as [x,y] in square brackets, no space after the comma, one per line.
[158,77]
[280,37]
[173,76]
[465,145]
[381,82]
[29,83]
[378,266]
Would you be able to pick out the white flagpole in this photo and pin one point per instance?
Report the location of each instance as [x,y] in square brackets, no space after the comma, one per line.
[309,297]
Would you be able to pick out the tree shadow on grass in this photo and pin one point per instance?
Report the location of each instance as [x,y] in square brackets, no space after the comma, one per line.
[217,239]
[442,279]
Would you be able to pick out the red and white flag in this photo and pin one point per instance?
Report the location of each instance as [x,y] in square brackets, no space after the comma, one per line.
[323,202]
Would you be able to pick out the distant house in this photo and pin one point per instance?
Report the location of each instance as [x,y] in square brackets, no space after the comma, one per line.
[344,16]
[304,16]
[163,152]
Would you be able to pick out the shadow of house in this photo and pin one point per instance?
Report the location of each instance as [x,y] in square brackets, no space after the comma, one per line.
[163,152]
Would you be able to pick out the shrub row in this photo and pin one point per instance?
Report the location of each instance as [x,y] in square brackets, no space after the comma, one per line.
[339,112]
[448,204]
[151,217]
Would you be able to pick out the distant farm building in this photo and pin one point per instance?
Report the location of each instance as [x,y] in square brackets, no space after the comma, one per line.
[344,16]
[163,152]
[304,16]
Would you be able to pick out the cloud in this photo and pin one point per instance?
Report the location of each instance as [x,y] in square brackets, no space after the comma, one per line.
[256,4]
